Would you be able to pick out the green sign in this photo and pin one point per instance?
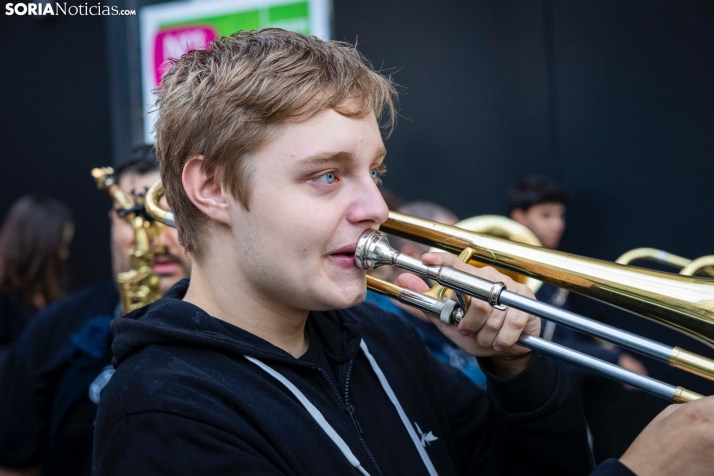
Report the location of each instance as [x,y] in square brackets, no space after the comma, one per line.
[169,30]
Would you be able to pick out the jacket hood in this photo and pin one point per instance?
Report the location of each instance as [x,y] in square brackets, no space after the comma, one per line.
[171,321]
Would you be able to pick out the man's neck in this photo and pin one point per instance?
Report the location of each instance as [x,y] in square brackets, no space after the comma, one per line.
[229,298]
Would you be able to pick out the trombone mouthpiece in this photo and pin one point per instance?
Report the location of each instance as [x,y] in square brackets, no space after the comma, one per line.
[373,250]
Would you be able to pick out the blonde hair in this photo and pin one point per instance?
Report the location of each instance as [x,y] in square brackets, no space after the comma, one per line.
[226,101]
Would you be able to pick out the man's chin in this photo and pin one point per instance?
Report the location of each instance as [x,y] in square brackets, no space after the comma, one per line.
[359,299]
[338,304]
[352,299]
[344,297]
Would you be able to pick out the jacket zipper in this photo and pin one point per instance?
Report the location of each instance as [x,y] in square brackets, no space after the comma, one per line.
[349,409]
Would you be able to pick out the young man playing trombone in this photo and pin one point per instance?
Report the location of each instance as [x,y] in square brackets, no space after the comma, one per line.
[266,363]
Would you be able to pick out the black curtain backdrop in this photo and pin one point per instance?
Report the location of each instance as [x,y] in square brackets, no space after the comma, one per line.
[54,124]
[612,99]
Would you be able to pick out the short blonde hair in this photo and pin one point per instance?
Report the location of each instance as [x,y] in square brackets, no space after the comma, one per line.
[226,101]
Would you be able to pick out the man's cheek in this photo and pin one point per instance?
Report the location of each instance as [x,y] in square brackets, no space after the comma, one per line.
[127,241]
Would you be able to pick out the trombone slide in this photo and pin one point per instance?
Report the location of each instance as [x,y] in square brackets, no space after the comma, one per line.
[449,309]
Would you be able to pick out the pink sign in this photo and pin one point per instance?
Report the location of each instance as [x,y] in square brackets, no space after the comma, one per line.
[175,42]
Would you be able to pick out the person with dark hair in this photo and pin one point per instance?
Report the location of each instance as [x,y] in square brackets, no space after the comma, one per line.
[34,245]
[539,203]
[136,174]
[47,406]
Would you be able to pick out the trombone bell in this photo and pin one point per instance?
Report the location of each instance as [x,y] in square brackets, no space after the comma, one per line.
[683,303]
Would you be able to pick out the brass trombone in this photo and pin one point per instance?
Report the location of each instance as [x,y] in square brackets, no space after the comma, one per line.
[682,302]
[685,303]
[703,265]
[502,227]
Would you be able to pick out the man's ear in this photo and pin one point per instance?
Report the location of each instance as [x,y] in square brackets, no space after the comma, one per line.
[205,191]
[517,214]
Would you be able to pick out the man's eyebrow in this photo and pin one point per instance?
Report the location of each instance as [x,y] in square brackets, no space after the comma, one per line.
[325,158]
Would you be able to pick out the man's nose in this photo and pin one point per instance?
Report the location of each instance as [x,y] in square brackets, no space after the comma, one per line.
[369,207]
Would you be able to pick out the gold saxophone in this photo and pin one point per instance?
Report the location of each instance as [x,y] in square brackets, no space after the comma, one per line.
[139,286]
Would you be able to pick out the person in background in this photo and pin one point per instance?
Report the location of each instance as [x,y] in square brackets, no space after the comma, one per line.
[45,408]
[138,172]
[34,246]
[440,345]
[539,203]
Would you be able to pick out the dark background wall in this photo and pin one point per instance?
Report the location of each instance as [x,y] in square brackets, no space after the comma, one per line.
[612,99]
[55,125]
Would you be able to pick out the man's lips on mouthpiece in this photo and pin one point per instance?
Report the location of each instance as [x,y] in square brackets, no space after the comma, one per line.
[344,256]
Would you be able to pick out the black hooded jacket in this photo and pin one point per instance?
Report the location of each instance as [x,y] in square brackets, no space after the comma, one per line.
[185,400]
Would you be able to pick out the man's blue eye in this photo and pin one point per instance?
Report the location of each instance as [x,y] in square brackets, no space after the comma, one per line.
[327,178]
[375,174]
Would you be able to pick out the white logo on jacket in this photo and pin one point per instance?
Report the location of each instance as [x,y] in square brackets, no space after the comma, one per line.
[425,438]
